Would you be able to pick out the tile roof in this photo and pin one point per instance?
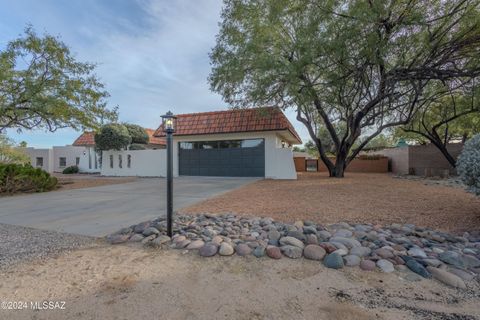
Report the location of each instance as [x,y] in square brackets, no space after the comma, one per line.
[88,139]
[232,121]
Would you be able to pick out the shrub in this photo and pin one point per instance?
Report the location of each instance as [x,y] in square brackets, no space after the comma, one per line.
[138,134]
[112,136]
[468,164]
[137,146]
[70,170]
[24,178]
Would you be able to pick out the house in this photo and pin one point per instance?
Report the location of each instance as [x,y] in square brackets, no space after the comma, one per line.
[240,142]
[55,159]
[90,161]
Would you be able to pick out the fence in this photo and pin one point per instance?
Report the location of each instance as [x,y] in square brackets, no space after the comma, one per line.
[368,165]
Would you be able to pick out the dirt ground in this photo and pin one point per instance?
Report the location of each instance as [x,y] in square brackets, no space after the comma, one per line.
[78,181]
[359,197]
[130,282]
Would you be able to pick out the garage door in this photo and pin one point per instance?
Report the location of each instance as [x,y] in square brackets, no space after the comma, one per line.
[226,158]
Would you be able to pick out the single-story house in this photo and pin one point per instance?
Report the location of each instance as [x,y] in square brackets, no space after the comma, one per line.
[239,142]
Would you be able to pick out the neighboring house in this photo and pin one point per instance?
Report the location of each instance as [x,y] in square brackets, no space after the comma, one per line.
[420,159]
[239,142]
[55,159]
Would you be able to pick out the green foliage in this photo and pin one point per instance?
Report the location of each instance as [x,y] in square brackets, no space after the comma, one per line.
[10,154]
[112,136]
[352,68]
[43,86]
[137,146]
[138,134]
[24,178]
[468,164]
[70,170]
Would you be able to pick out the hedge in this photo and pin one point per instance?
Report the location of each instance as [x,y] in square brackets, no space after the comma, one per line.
[24,178]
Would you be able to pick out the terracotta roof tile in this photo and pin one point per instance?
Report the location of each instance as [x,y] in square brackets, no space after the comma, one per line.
[231,121]
[88,139]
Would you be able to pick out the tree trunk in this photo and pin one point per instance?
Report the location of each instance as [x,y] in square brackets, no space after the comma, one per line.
[444,151]
[340,165]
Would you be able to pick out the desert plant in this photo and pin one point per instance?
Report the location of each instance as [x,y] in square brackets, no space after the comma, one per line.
[70,170]
[112,136]
[138,134]
[10,154]
[24,178]
[468,164]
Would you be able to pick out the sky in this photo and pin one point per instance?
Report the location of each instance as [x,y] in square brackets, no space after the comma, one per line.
[151,55]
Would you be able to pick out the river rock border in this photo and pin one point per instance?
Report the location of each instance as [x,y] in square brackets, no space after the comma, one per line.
[430,254]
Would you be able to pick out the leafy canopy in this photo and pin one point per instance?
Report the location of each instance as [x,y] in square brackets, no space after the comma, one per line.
[113,136]
[43,86]
[138,133]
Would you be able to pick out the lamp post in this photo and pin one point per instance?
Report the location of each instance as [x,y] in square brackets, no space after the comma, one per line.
[168,122]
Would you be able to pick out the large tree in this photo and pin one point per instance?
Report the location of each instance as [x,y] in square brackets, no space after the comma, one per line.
[352,67]
[43,86]
[455,115]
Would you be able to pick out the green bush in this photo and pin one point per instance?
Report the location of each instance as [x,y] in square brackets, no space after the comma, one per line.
[112,136]
[137,146]
[24,178]
[70,170]
[138,134]
[468,164]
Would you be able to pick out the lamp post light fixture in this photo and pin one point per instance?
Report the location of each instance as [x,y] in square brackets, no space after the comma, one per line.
[168,123]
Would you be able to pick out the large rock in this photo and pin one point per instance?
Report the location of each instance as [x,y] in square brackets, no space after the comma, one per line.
[137,237]
[162,239]
[385,265]
[297,234]
[208,250]
[243,249]
[197,244]
[333,261]
[384,253]
[466,276]
[314,252]
[274,235]
[292,252]
[226,249]
[274,252]
[348,242]
[259,251]
[351,260]
[291,241]
[416,267]
[367,265]
[361,251]
[118,238]
[447,278]
[149,231]
[453,258]
[417,253]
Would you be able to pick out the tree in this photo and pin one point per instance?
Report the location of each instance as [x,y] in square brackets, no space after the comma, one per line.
[112,136]
[355,68]
[10,154]
[43,86]
[453,116]
[138,134]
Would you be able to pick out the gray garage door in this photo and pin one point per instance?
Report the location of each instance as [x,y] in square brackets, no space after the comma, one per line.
[226,158]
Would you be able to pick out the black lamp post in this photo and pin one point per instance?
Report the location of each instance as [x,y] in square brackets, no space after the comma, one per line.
[168,122]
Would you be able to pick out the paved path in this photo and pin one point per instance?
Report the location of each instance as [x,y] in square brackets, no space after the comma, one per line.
[101,210]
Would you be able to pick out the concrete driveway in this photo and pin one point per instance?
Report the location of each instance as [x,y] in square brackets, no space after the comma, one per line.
[102,210]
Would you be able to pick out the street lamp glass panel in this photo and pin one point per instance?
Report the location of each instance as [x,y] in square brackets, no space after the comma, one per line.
[169,122]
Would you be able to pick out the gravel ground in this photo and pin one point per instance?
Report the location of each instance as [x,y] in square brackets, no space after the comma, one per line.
[357,198]
[20,244]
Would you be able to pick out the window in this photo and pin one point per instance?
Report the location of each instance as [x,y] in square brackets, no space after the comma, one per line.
[120,164]
[129,161]
[39,161]
[111,161]
[62,162]
[77,161]
[223,144]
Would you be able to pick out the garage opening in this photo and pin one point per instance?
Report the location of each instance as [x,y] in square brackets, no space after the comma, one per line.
[224,158]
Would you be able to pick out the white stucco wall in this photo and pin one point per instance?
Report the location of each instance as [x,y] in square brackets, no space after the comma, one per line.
[46,154]
[144,163]
[89,161]
[68,152]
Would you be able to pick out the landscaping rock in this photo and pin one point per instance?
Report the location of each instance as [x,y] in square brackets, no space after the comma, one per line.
[452,258]
[197,244]
[259,251]
[314,252]
[464,275]
[349,243]
[447,278]
[137,237]
[333,261]
[291,251]
[384,253]
[417,253]
[274,252]
[118,238]
[351,260]
[291,241]
[243,249]
[226,249]
[274,235]
[149,231]
[360,251]
[416,267]
[162,239]
[367,265]
[385,265]
[208,250]
[312,239]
